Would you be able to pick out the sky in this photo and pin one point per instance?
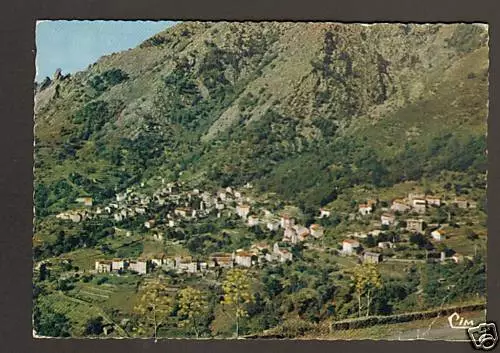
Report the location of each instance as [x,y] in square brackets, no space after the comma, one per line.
[73,45]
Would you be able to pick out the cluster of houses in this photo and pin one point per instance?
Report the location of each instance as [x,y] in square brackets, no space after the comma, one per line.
[414,202]
[258,253]
[184,205]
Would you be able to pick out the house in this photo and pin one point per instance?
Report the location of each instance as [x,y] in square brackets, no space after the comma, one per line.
[76,217]
[229,190]
[419,205]
[259,247]
[222,195]
[237,194]
[183,212]
[365,209]
[416,225]
[87,201]
[433,200]
[324,213]
[387,219]
[290,235]
[118,265]
[203,266]
[458,258]
[107,329]
[273,225]
[121,197]
[187,266]
[461,202]
[140,210]
[253,221]
[149,224]
[415,195]
[158,236]
[349,246]
[302,232]
[316,230]
[371,203]
[438,235]
[371,257]
[243,210]
[399,205]
[159,259]
[385,245]
[103,266]
[286,221]
[243,258]
[282,254]
[140,266]
[222,259]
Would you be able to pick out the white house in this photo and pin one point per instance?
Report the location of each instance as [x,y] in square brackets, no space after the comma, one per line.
[416,225]
[433,200]
[149,224]
[183,211]
[290,235]
[385,245]
[324,213]
[387,219]
[282,254]
[349,246]
[243,210]
[399,205]
[87,201]
[365,209]
[371,257]
[286,221]
[419,205]
[316,230]
[253,221]
[103,266]
[438,235]
[273,225]
[243,258]
[118,264]
[222,195]
[121,197]
[302,232]
[140,266]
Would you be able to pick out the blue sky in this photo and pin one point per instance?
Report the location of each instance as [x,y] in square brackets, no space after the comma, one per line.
[73,45]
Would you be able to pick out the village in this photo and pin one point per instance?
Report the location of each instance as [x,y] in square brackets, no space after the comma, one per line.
[189,205]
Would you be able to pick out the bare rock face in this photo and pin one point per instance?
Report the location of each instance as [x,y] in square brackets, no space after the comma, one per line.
[58,75]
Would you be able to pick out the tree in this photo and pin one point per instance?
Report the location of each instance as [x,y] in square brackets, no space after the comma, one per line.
[192,307]
[237,293]
[154,305]
[49,323]
[367,281]
[94,326]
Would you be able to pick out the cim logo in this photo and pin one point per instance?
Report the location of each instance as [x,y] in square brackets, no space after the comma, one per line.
[458,322]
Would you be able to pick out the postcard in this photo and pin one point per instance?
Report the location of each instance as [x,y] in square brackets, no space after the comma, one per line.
[270,180]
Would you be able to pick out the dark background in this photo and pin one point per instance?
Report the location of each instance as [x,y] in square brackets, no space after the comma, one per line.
[17,72]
